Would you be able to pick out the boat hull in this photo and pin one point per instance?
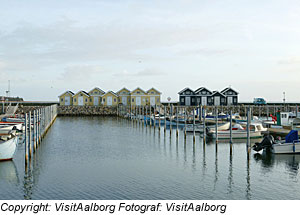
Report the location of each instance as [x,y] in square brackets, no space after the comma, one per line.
[286,148]
[235,134]
[8,148]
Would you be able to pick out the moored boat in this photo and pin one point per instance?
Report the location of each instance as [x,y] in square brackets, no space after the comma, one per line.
[238,132]
[291,144]
[8,145]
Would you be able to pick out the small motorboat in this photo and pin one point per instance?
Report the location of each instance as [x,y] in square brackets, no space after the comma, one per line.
[199,127]
[238,132]
[291,144]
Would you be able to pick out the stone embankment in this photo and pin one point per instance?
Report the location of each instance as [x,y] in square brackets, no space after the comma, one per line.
[75,110]
[86,111]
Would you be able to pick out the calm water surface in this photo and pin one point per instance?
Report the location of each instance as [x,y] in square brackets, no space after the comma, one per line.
[110,158]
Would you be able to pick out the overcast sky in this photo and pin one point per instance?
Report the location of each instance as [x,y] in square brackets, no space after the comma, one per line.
[48,47]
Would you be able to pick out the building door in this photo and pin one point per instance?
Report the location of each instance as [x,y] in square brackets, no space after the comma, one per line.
[109,100]
[96,101]
[188,101]
[124,100]
[229,100]
[80,100]
[138,100]
[217,100]
[67,100]
[152,100]
[204,100]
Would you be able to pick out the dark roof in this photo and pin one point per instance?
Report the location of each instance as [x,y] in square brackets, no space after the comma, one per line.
[202,88]
[187,88]
[216,92]
[228,88]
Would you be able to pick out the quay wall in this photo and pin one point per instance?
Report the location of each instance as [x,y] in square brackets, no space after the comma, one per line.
[112,111]
[74,110]
[87,111]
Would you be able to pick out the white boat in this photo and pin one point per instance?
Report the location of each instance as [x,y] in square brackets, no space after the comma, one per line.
[286,148]
[8,145]
[291,144]
[6,129]
[199,127]
[238,132]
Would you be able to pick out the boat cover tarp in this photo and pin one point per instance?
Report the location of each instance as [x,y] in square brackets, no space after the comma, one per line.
[292,136]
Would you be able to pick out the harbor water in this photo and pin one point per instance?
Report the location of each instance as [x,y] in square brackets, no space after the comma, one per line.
[114,158]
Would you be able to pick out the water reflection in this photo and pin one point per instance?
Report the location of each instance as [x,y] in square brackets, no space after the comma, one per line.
[8,172]
[269,160]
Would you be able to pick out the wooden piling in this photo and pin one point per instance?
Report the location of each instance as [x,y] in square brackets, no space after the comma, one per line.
[185,119]
[177,121]
[159,108]
[194,136]
[216,117]
[248,128]
[230,141]
[165,114]
[204,126]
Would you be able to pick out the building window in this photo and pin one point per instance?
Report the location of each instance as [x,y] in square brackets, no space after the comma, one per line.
[118,99]
[132,100]
[86,100]
[144,100]
[198,100]
[138,92]
[103,99]
[229,93]
[209,99]
[152,92]
[157,100]
[222,100]
[62,99]
[115,100]
[74,100]
[100,99]
[187,92]
[193,100]
[234,100]
[182,99]
[90,100]
[204,92]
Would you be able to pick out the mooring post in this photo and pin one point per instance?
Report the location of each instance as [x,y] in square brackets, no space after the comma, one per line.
[159,108]
[216,117]
[194,137]
[165,114]
[248,129]
[146,117]
[177,121]
[26,139]
[171,114]
[185,118]
[230,129]
[154,117]
[204,126]
[150,117]
[29,136]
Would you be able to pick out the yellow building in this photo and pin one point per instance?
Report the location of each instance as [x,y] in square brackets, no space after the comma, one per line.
[124,96]
[110,99]
[96,96]
[81,98]
[138,97]
[66,98]
[153,97]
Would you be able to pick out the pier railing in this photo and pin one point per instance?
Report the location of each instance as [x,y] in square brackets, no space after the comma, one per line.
[37,124]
